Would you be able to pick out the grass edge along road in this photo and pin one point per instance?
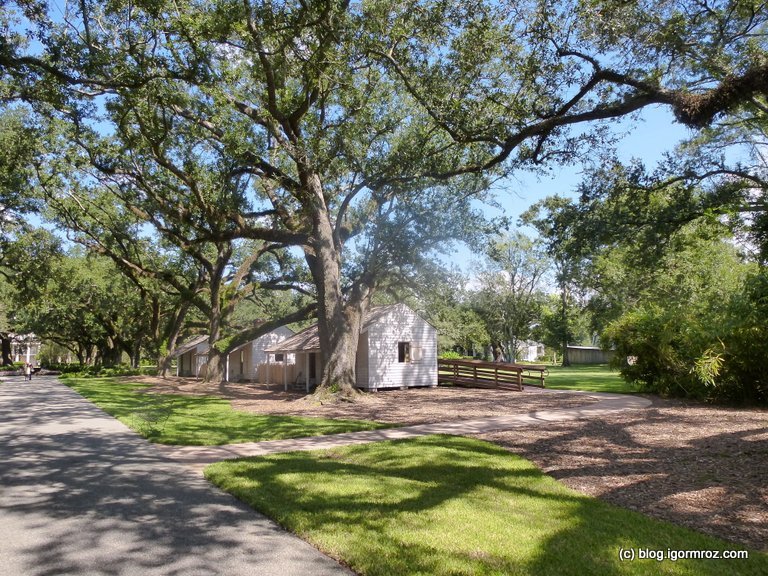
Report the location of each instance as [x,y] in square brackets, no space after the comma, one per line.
[442,505]
[200,420]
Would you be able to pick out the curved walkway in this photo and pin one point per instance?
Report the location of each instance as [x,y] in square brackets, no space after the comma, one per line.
[200,456]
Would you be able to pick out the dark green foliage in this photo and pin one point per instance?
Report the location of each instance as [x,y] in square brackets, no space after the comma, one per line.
[744,373]
[679,354]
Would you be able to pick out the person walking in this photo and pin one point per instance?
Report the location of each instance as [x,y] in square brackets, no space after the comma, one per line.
[27,371]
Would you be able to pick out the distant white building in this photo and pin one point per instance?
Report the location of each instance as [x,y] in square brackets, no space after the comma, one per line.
[192,355]
[25,348]
[397,349]
[529,351]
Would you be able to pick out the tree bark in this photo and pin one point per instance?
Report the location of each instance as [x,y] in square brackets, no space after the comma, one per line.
[564,320]
[7,351]
[176,324]
[339,317]
[216,365]
[215,370]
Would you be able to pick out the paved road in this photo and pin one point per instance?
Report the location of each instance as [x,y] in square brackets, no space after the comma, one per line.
[82,494]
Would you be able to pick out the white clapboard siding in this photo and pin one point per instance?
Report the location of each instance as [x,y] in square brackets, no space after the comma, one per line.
[400,324]
[245,361]
[191,361]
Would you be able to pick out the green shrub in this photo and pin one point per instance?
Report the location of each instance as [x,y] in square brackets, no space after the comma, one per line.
[716,354]
[744,347]
[77,371]
[451,355]
[656,349]
[12,367]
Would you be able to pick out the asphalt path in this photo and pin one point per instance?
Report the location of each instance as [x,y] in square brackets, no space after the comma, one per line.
[80,493]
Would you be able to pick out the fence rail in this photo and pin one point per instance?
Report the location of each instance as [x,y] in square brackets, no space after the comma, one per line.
[479,374]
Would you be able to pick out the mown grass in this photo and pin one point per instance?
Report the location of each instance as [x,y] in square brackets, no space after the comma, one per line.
[199,421]
[590,378]
[447,505]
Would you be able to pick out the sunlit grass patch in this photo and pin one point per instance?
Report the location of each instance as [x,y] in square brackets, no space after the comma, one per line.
[200,421]
[591,378]
[447,505]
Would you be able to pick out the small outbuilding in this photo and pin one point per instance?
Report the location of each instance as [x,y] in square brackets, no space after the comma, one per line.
[191,356]
[589,355]
[247,362]
[397,349]
[530,351]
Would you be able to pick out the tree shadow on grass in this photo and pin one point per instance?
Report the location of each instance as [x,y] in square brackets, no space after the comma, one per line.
[379,507]
[202,420]
[713,482]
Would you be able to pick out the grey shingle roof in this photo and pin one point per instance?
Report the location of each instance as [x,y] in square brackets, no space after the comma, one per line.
[189,345]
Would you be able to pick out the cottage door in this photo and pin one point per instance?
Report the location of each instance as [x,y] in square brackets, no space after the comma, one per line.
[312,368]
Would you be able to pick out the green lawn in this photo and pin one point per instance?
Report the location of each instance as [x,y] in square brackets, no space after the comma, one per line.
[199,421]
[446,505]
[592,378]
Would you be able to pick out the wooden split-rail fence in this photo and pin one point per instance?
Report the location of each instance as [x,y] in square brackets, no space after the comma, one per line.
[479,374]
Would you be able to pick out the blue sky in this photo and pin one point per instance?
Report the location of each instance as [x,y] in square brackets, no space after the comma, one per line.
[647,139]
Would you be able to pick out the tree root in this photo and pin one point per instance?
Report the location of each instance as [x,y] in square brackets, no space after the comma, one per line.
[324,395]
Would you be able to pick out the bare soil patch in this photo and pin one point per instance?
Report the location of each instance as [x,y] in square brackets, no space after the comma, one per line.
[696,465]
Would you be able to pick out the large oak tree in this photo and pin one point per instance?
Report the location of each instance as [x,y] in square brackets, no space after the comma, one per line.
[367,127]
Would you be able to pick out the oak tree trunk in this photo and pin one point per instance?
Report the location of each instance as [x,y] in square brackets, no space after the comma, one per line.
[339,316]
[564,320]
[217,360]
[7,352]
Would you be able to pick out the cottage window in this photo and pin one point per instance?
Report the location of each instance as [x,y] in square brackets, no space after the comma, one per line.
[279,357]
[403,351]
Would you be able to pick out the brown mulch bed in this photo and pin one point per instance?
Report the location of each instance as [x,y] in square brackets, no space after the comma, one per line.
[692,464]
[413,406]
[700,466]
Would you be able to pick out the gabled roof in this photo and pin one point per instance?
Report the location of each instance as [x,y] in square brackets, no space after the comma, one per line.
[189,345]
[244,344]
[308,340]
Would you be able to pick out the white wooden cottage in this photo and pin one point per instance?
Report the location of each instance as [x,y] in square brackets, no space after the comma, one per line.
[397,349]
[191,356]
[247,362]
[529,351]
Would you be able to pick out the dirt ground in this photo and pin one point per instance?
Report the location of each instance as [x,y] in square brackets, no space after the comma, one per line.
[696,465]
